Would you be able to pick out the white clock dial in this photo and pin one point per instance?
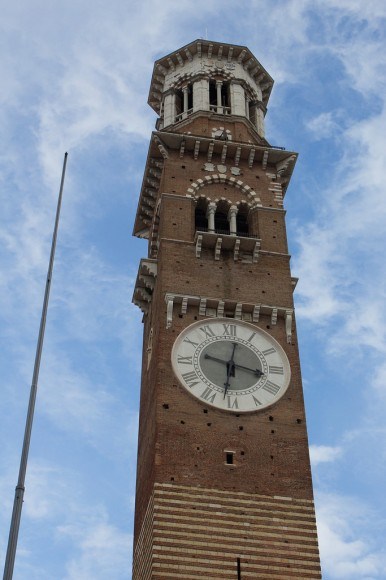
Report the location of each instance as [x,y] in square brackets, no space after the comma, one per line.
[231,365]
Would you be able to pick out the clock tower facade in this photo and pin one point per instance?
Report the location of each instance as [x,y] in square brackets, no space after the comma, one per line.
[224,485]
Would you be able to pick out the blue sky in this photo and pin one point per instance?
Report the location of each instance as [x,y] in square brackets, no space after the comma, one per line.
[75,77]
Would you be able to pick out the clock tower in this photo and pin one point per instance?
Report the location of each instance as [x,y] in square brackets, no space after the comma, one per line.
[224,485]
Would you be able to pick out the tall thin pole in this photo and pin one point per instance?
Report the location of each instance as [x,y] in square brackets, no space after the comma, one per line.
[20,488]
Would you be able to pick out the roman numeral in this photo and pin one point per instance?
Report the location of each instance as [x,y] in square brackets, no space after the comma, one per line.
[232,404]
[207,331]
[256,401]
[190,342]
[191,379]
[185,360]
[276,370]
[208,395]
[269,351]
[229,329]
[252,336]
[271,388]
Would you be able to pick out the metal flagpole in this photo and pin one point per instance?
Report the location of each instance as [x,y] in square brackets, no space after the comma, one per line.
[19,491]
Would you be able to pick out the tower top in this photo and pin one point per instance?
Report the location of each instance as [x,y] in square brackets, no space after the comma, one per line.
[209,76]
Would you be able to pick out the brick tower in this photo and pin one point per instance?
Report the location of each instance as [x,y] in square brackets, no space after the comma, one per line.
[224,484]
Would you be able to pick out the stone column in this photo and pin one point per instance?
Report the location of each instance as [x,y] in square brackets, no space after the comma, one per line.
[232,213]
[211,210]
[219,103]
[237,99]
[169,108]
[201,95]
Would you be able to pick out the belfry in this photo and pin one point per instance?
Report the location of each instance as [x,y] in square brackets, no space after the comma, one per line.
[224,485]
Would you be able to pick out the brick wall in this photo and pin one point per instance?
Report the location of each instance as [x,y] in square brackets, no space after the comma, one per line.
[206,514]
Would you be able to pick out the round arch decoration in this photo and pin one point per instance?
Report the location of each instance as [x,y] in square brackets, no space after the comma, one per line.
[248,192]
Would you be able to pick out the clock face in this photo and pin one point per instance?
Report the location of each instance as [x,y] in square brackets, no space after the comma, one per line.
[231,365]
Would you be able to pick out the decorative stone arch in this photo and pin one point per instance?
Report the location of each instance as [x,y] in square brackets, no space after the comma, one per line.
[251,195]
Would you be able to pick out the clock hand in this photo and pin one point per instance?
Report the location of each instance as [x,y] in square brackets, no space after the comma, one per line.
[220,360]
[257,372]
[230,369]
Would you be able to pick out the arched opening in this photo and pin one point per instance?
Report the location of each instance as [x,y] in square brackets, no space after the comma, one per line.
[200,218]
[183,102]
[179,103]
[225,95]
[190,98]
[221,222]
[242,220]
[212,95]
[219,97]
[252,112]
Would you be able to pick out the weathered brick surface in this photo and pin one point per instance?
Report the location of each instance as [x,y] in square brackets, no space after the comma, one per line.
[199,532]
[203,123]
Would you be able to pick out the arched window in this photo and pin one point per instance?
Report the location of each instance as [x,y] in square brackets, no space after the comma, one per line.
[242,220]
[221,222]
[212,95]
[225,95]
[219,97]
[201,221]
[184,102]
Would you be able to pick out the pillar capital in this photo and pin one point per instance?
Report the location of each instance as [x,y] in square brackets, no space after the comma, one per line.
[232,211]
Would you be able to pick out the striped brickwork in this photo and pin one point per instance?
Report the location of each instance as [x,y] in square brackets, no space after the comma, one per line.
[143,557]
[200,533]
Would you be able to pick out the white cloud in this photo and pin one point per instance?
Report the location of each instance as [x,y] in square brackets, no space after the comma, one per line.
[323,126]
[46,487]
[104,551]
[341,264]
[379,381]
[343,531]
[86,404]
[324,454]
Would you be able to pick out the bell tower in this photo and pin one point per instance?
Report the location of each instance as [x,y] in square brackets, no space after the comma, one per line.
[224,485]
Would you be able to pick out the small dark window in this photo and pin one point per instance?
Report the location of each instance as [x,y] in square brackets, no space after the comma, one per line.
[229,458]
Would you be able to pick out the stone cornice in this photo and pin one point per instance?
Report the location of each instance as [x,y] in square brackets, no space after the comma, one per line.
[215,308]
[216,51]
